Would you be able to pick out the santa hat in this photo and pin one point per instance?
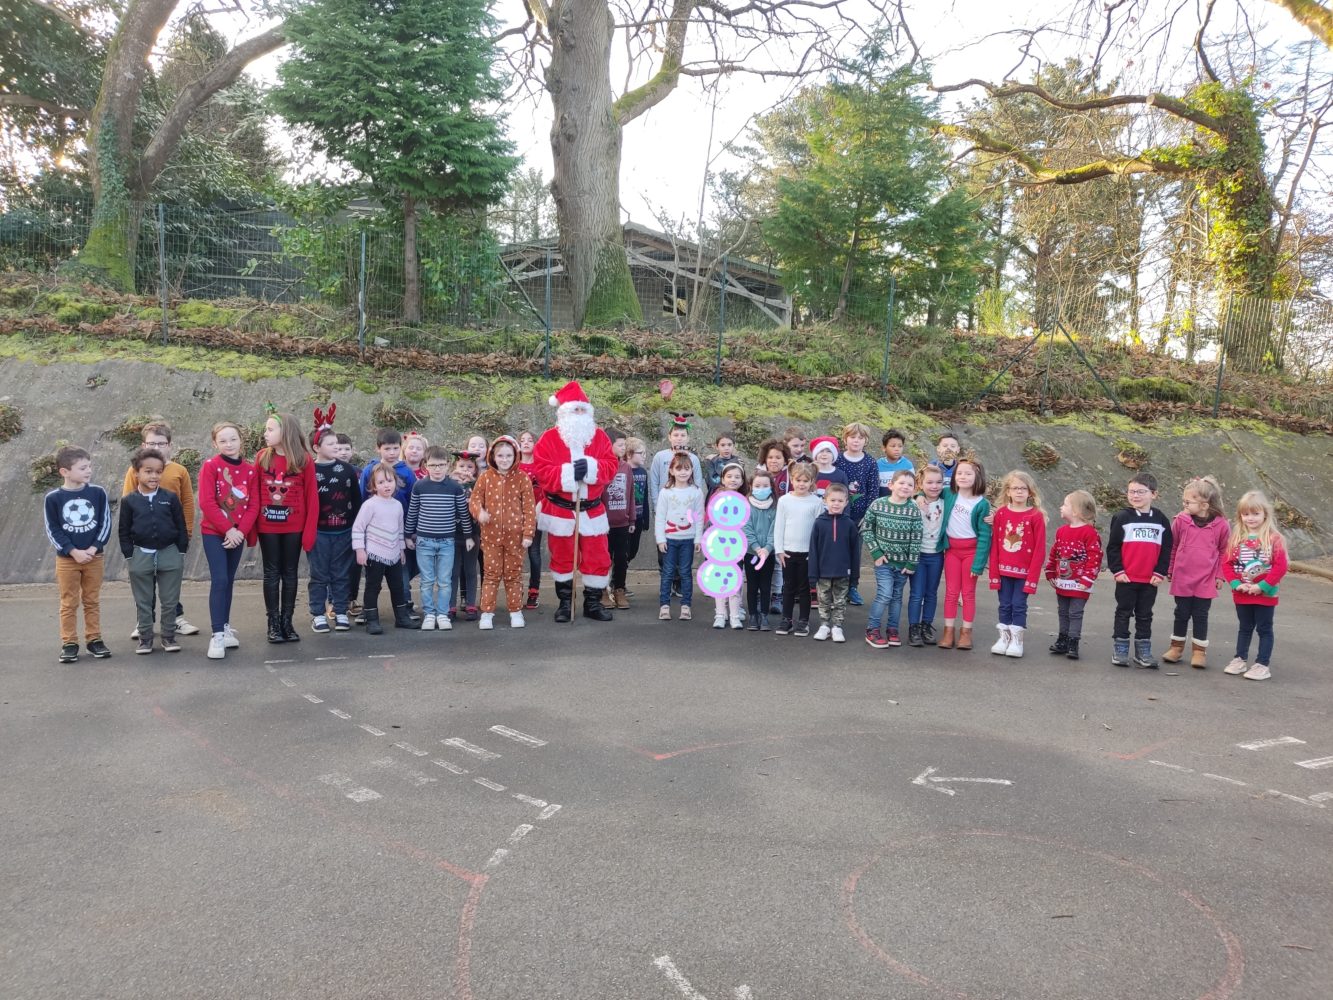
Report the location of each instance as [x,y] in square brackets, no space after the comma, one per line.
[323,423]
[824,443]
[572,392]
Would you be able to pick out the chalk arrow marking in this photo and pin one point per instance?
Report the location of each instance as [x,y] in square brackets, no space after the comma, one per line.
[683,986]
[926,780]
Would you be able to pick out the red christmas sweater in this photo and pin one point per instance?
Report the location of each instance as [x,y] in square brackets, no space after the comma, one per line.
[1249,563]
[288,501]
[228,496]
[1018,538]
[1075,560]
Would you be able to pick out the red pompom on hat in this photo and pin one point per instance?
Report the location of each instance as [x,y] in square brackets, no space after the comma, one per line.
[571,392]
[828,443]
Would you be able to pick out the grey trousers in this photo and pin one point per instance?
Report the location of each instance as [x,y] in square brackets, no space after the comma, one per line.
[156,573]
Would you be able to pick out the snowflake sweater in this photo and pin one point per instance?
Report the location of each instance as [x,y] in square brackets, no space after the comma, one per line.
[1074,561]
[893,532]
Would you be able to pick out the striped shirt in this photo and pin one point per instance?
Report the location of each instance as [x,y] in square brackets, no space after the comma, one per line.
[438,510]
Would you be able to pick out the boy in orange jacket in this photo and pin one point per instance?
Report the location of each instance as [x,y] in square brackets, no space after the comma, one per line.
[502,504]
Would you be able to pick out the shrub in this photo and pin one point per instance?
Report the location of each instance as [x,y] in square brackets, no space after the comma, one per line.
[1154,388]
[191,459]
[129,431]
[1040,456]
[1130,455]
[11,422]
[399,416]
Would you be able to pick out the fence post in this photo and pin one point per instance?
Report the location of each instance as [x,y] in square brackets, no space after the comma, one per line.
[546,319]
[721,323]
[1222,357]
[888,336]
[361,300]
[162,266]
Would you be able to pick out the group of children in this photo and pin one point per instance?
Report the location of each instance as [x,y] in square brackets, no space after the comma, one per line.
[421,510]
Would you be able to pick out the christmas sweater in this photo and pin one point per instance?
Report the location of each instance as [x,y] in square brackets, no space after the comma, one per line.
[338,487]
[288,501]
[862,483]
[228,496]
[824,479]
[1074,561]
[1250,563]
[678,514]
[893,531]
[1018,539]
[1197,552]
[1139,544]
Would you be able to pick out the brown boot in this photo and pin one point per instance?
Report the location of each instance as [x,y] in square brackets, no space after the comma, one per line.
[964,637]
[1198,656]
[622,602]
[946,638]
[1177,651]
[607,600]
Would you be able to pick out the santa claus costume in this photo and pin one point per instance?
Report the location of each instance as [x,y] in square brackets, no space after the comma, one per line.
[573,463]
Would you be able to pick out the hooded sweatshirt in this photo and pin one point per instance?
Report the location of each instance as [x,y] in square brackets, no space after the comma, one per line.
[507,499]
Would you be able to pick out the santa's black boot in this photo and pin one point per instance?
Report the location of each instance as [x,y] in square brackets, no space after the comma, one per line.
[593,607]
[564,594]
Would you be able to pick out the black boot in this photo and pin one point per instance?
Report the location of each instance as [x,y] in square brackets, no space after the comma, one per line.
[373,626]
[1061,645]
[402,617]
[593,607]
[1071,650]
[275,627]
[914,637]
[289,633]
[564,594]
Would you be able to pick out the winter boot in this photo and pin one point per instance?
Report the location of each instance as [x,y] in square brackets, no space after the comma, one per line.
[1120,652]
[1073,649]
[946,638]
[622,602]
[1198,656]
[593,606]
[564,594]
[373,626]
[275,628]
[533,595]
[914,636]
[402,617]
[1061,645]
[1177,651]
[1001,646]
[608,598]
[964,638]
[928,633]
[1015,641]
[1143,658]
[289,633]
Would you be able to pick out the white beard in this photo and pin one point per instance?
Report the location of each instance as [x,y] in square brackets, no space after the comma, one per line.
[576,425]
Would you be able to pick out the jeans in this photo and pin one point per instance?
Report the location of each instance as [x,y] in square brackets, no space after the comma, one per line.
[678,560]
[222,566]
[1013,602]
[329,562]
[435,559]
[1196,609]
[924,588]
[282,559]
[1071,615]
[1252,618]
[1134,600]
[887,607]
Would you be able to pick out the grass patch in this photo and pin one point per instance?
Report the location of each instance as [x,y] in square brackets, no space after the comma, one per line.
[1040,456]
[1131,455]
[401,416]
[43,472]
[191,459]
[1109,498]
[129,431]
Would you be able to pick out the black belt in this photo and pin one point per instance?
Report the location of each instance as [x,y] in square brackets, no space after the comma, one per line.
[586,505]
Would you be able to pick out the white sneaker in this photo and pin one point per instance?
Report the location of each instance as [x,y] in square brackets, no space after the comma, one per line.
[822,633]
[1236,666]
[1258,672]
[428,623]
[185,628]
[135,633]
[837,634]
[1001,646]
[1015,641]
[229,638]
[516,620]
[720,621]
[736,623]
[487,621]
[443,623]
[664,613]
[217,646]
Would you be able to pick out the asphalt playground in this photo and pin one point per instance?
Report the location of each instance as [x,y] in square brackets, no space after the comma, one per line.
[648,810]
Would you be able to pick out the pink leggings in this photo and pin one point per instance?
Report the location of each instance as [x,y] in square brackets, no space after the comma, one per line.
[958,579]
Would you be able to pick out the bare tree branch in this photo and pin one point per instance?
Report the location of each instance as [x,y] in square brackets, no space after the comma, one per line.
[1198,42]
[1312,15]
[64,15]
[55,108]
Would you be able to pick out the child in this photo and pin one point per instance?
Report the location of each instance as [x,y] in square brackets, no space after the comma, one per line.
[947,450]
[345,450]
[288,518]
[636,453]
[502,504]
[389,448]
[724,456]
[966,546]
[176,478]
[862,480]
[466,541]
[344,455]
[476,447]
[331,559]
[678,441]
[436,513]
[678,514]
[527,444]
[153,540]
[794,439]
[1200,537]
[792,526]
[893,442]
[824,451]
[1138,553]
[893,527]
[1072,568]
[835,558]
[1255,564]
[415,446]
[729,608]
[774,456]
[377,537]
[621,516]
[759,560]
[78,524]
[229,503]
[1018,542]
[924,584]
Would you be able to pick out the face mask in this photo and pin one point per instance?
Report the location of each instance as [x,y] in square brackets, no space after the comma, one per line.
[763,493]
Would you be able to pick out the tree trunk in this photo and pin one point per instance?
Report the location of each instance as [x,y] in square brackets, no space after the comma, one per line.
[585,147]
[411,272]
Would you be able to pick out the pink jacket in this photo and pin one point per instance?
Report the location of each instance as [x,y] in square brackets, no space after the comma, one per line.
[1197,555]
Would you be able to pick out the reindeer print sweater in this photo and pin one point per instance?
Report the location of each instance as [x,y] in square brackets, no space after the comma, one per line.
[288,500]
[1018,546]
[228,495]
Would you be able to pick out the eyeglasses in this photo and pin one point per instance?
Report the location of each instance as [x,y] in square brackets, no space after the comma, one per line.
[1138,493]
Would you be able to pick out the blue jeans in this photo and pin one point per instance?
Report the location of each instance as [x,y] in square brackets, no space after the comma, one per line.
[330,561]
[677,561]
[924,589]
[1013,602]
[888,604]
[435,560]
[1255,617]
[222,566]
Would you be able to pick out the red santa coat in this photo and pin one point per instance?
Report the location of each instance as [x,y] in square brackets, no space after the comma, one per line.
[553,463]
